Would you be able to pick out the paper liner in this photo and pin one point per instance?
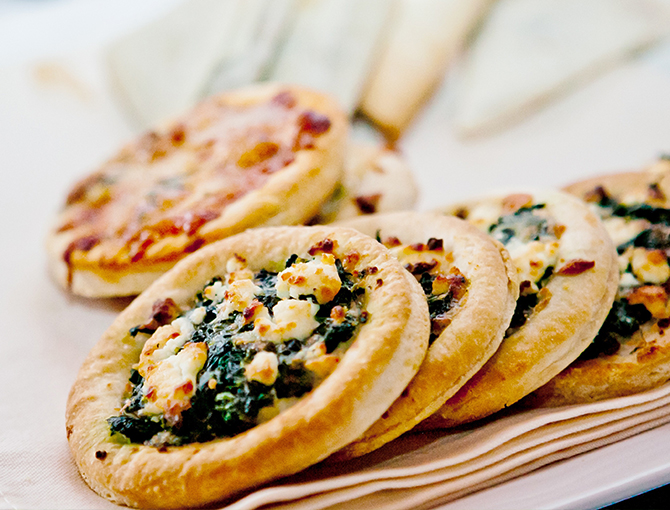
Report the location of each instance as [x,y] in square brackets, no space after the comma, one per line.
[420,469]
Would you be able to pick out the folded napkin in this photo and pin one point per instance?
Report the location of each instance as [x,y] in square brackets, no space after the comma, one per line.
[422,470]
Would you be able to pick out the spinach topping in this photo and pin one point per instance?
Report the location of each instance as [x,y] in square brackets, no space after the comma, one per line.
[439,305]
[621,323]
[656,237]
[225,402]
[625,319]
[521,224]
[644,212]
[523,310]
[526,226]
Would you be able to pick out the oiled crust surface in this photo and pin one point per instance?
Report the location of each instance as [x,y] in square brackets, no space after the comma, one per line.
[472,336]
[385,355]
[643,361]
[265,155]
[554,335]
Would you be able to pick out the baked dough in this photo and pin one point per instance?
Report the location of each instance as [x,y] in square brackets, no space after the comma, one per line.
[632,351]
[568,276]
[453,260]
[261,156]
[376,179]
[386,352]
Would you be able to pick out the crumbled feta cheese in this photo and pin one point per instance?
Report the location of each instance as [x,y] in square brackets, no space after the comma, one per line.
[215,292]
[650,266]
[197,315]
[317,277]
[237,297]
[168,387]
[628,280]
[622,230]
[532,259]
[264,368]
[293,318]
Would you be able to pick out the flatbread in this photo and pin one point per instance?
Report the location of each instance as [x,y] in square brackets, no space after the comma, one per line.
[632,351]
[376,179]
[265,155]
[331,46]
[477,284]
[422,39]
[568,273]
[383,354]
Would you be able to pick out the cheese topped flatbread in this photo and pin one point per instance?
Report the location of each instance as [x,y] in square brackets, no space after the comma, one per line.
[471,289]
[567,270]
[261,156]
[631,352]
[251,359]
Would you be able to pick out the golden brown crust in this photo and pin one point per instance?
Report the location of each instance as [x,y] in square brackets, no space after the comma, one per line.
[554,335]
[472,336]
[643,360]
[379,364]
[261,156]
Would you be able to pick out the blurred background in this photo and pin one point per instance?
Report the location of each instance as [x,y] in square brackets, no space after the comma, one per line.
[475,93]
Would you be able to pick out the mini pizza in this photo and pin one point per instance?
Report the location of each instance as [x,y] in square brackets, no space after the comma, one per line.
[631,352]
[266,155]
[376,180]
[251,359]
[471,290]
[567,270]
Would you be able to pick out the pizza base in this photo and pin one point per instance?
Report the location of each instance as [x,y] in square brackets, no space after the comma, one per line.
[622,373]
[380,363]
[474,333]
[554,336]
[375,180]
[290,196]
[586,381]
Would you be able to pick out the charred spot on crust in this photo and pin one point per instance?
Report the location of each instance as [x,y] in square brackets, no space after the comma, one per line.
[462,213]
[575,267]
[421,267]
[324,246]
[367,204]
[285,99]
[655,192]
[435,244]
[163,311]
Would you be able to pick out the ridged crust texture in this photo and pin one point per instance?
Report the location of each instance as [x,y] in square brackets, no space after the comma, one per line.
[643,362]
[385,355]
[264,155]
[472,336]
[554,335]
